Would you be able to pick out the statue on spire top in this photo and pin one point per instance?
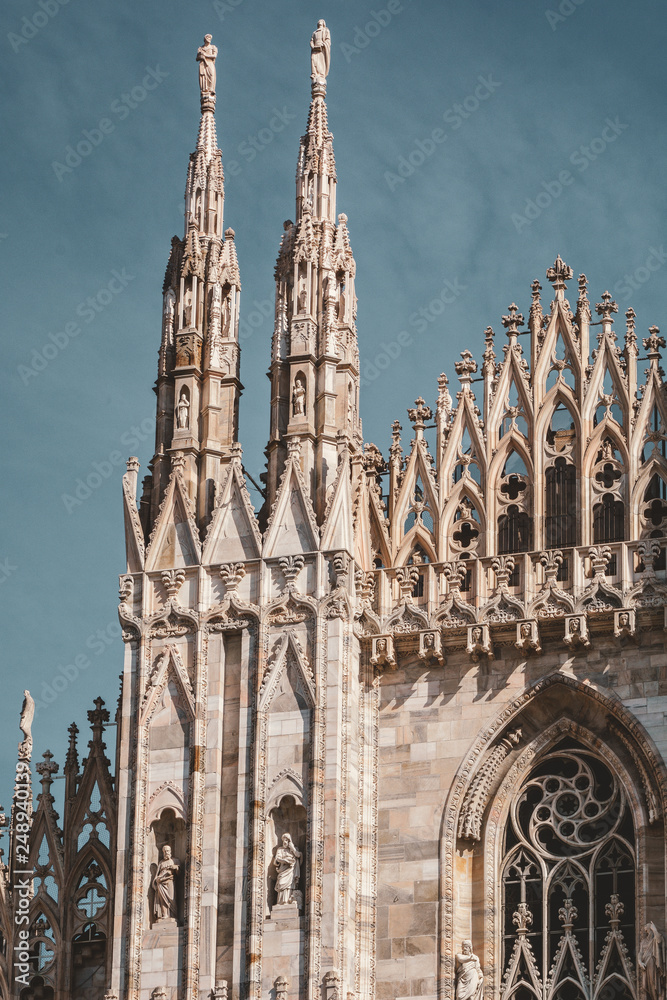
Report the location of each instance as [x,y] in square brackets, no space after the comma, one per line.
[206,55]
[320,53]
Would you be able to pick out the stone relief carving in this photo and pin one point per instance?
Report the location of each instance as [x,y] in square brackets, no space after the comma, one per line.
[479,642]
[430,647]
[164,900]
[528,637]
[469,977]
[383,652]
[576,632]
[625,623]
[474,804]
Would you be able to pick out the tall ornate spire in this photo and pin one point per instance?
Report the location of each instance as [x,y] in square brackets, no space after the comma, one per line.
[198,383]
[315,358]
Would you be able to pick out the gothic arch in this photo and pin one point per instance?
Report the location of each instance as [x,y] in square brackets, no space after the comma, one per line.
[417,535]
[496,764]
[605,429]
[556,395]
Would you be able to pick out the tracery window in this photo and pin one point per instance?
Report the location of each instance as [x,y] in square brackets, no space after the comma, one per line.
[568,883]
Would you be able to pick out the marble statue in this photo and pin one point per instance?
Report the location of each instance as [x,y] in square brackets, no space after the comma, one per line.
[651,961]
[287,866]
[164,902]
[320,53]
[469,978]
[206,55]
[25,725]
[183,412]
[299,398]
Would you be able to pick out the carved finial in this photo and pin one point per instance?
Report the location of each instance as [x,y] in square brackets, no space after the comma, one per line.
[653,343]
[444,397]
[489,356]
[558,275]
[630,332]
[72,758]
[535,314]
[419,414]
[206,56]
[47,768]
[320,59]
[172,581]
[395,451]
[467,367]
[513,321]
[98,717]
[606,307]
[294,448]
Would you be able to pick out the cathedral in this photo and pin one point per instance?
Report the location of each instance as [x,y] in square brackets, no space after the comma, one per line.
[402,731]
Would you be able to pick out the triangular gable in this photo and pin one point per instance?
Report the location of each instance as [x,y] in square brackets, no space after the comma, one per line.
[465,419]
[168,665]
[511,373]
[606,360]
[559,323]
[288,651]
[233,534]
[292,527]
[337,530]
[416,467]
[174,542]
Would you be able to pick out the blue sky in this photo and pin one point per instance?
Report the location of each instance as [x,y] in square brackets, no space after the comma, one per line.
[473,143]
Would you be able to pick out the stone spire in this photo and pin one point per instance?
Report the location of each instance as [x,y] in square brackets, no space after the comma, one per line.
[315,359]
[198,385]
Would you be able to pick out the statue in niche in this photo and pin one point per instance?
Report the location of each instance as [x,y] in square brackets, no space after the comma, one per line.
[187,310]
[303,296]
[164,901]
[469,978]
[651,961]
[183,412]
[206,56]
[287,866]
[299,398]
[320,53]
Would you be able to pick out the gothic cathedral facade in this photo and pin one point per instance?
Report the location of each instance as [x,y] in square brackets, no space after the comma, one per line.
[401,732]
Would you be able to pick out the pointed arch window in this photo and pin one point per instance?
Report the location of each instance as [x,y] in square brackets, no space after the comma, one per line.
[515,531]
[609,519]
[568,882]
[561,505]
